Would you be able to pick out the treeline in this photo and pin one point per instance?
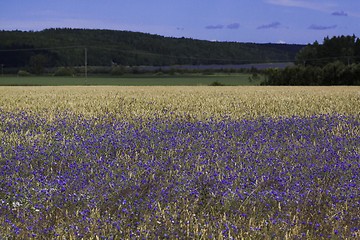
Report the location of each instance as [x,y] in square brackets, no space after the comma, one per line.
[66,48]
[336,73]
[335,62]
[345,49]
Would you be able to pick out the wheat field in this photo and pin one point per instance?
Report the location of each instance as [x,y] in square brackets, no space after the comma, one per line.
[179,162]
[198,102]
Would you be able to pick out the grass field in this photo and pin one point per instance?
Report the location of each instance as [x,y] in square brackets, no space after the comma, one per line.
[180,162]
[146,80]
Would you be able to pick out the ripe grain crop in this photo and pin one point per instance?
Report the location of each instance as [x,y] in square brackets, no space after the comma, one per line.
[179,162]
[195,102]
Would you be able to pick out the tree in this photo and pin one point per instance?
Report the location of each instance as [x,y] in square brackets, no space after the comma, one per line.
[343,48]
[37,63]
[332,73]
[130,48]
[308,55]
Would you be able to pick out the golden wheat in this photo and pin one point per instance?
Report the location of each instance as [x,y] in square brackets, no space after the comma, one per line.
[197,102]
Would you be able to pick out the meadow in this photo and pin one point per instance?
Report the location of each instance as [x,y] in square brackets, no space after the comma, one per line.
[179,162]
[238,79]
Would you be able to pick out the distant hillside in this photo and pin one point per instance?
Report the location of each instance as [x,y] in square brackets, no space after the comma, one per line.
[65,47]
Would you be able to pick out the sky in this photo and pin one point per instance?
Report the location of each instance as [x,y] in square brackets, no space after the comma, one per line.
[257,21]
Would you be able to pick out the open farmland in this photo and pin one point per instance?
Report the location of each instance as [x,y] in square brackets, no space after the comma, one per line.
[238,79]
[180,162]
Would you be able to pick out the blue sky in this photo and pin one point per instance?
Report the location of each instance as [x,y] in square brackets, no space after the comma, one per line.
[259,21]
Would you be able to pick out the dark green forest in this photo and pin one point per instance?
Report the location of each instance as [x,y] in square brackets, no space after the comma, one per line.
[334,62]
[66,47]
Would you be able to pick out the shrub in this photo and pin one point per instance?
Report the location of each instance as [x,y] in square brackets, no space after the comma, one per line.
[118,71]
[335,73]
[159,74]
[216,83]
[23,73]
[64,72]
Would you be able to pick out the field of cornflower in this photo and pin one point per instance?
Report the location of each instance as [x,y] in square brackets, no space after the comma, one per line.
[179,162]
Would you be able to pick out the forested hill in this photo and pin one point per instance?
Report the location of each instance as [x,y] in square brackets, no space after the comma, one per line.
[66,47]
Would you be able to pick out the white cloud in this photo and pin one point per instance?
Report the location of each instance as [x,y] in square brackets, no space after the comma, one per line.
[318,27]
[271,25]
[321,6]
[340,13]
[233,26]
[219,26]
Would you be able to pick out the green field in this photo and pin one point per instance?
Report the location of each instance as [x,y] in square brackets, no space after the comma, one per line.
[147,80]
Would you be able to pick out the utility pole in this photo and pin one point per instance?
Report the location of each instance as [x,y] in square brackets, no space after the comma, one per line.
[85,65]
